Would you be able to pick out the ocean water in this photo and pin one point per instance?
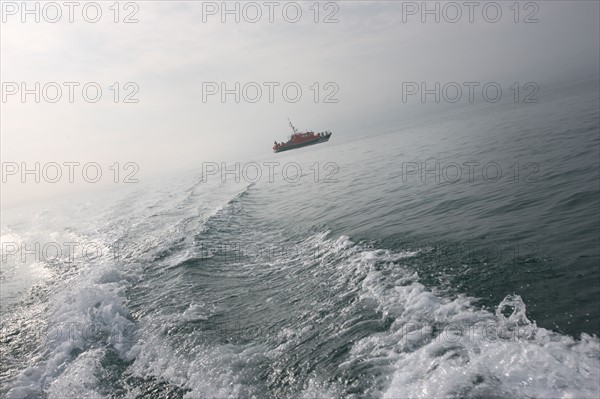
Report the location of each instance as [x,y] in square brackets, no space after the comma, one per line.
[454,256]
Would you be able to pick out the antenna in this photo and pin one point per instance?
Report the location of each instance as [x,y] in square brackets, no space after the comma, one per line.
[292,126]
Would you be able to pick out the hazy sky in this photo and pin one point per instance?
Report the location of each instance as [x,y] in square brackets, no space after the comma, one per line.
[176,49]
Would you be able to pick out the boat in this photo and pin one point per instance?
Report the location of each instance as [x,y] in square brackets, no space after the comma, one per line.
[301,139]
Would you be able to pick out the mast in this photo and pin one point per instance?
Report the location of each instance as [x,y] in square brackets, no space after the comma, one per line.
[292,126]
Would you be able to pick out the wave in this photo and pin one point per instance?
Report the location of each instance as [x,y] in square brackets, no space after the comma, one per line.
[311,316]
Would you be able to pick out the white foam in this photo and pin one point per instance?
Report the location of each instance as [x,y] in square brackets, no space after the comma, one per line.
[86,314]
[443,347]
[83,314]
[436,346]
[80,379]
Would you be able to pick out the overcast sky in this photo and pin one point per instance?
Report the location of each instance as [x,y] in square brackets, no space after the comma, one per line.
[176,49]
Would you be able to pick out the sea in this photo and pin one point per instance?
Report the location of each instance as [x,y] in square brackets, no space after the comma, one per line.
[453,256]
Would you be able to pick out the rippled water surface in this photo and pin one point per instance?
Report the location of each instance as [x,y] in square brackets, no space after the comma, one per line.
[455,257]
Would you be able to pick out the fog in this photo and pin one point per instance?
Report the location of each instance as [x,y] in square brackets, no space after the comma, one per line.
[351,60]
